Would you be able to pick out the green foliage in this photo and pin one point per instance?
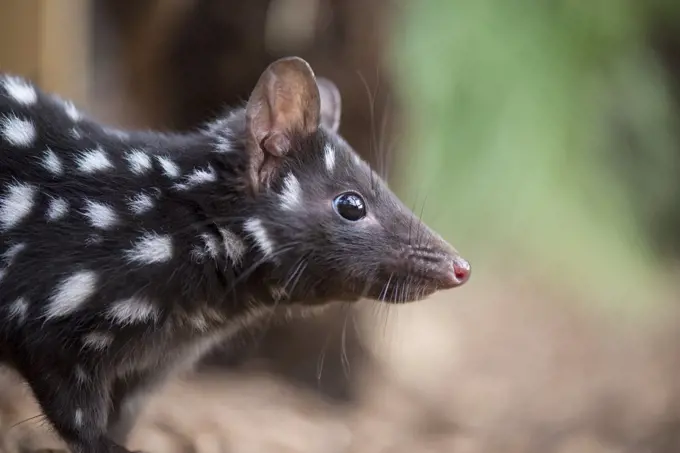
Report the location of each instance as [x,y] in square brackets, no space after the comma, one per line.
[517,113]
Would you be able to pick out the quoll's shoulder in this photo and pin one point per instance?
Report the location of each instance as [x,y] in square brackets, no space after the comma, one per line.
[86,218]
[21,99]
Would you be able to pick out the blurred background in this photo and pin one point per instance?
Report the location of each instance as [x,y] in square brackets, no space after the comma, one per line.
[540,138]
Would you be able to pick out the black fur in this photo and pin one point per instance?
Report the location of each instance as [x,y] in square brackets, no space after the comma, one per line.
[86,367]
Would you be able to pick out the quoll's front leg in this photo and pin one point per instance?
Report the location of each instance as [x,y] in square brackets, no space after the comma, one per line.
[77,406]
[128,397]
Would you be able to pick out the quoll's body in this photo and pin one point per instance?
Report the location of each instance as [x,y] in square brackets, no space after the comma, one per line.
[127,254]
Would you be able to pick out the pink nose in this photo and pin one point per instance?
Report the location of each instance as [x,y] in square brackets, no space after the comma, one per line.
[457,274]
[461,270]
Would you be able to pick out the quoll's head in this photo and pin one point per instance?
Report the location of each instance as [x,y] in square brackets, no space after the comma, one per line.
[331,225]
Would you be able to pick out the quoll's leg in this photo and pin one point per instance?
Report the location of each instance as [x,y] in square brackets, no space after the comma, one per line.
[127,400]
[77,410]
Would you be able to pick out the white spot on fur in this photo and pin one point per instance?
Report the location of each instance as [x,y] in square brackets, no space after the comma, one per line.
[140,203]
[20,90]
[219,129]
[329,158]
[170,168]
[93,160]
[57,209]
[217,126]
[75,133]
[81,374]
[100,215]
[9,256]
[12,252]
[17,204]
[119,134]
[71,110]
[18,310]
[16,131]
[259,234]
[51,162]
[292,192]
[132,310]
[356,158]
[71,294]
[197,177]
[139,161]
[151,248]
[78,418]
[234,247]
[210,247]
[223,144]
[97,340]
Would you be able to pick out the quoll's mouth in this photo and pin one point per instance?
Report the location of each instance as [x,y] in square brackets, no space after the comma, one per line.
[414,286]
[443,272]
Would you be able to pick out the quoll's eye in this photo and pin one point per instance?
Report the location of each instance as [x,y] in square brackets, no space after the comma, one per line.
[350,205]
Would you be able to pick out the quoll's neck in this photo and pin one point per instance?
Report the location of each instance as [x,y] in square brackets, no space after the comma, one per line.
[233,224]
[211,210]
[181,201]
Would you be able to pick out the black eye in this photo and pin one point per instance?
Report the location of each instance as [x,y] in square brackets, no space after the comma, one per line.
[350,205]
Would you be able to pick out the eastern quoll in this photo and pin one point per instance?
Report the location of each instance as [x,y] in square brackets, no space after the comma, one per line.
[126,254]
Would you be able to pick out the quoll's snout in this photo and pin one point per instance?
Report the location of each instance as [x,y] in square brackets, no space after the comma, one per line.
[456,272]
[461,270]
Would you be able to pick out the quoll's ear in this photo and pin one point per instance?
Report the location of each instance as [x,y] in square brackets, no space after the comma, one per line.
[331,104]
[284,102]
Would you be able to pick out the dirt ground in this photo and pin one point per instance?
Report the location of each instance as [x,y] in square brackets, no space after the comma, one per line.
[475,370]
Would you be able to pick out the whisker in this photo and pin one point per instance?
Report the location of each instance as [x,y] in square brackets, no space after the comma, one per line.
[384,152]
[320,363]
[248,272]
[39,416]
[385,313]
[344,359]
[383,293]
[372,144]
[292,275]
[269,321]
[297,274]
[421,228]
[322,359]
[355,326]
